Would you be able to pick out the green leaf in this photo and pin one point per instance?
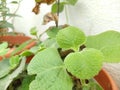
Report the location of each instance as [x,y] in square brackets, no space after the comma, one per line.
[5,82]
[84,64]
[52,32]
[54,8]
[8,65]
[26,53]
[72,2]
[14,2]
[11,15]
[14,61]
[111,53]
[108,38]
[26,82]
[70,38]
[5,24]
[34,49]
[50,43]
[4,67]
[3,45]
[3,48]
[33,31]
[4,9]
[3,51]
[50,72]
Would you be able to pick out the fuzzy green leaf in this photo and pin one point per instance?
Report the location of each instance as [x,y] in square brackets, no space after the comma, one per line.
[4,67]
[111,53]
[5,82]
[3,48]
[70,38]
[14,61]
[50,43]
[50,72]
[52,32]
[54,8]
[33,31]
[108,38]
[3,45]
[84,64]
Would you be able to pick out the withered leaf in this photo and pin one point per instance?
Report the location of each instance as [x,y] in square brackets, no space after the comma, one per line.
[49,17]
[36,9]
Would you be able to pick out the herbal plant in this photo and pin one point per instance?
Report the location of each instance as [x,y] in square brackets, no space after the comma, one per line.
[77,69]
[6,15]
[67,60]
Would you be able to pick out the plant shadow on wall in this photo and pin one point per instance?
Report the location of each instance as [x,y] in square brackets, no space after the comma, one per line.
[6,16]
[67,60]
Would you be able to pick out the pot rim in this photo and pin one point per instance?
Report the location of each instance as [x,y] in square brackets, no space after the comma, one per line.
[106,81]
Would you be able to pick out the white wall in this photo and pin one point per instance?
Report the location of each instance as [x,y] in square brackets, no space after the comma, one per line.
[93,16]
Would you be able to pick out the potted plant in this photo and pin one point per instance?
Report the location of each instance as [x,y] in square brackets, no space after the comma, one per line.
[67,60]
[6,17]
[53,70]
[75,62]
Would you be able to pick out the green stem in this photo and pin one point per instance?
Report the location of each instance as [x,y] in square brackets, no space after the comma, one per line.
[83,82]
[15,13]
[76,49]
[58,9]
[3,13]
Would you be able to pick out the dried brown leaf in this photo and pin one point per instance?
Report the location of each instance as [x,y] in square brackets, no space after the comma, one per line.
[36,9]
[49,17]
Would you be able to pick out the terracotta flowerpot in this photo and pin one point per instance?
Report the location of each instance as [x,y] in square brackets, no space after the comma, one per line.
[16,40]
[106,81]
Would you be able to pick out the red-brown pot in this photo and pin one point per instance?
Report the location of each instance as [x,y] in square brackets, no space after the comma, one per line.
[16,40]
[106,81]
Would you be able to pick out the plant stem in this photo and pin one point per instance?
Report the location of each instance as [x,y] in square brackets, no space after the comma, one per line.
[3,13]
[58,9]
[82,82]
[15,13]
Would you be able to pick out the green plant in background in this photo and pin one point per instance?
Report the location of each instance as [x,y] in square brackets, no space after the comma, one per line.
[76,70]
[6,15]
